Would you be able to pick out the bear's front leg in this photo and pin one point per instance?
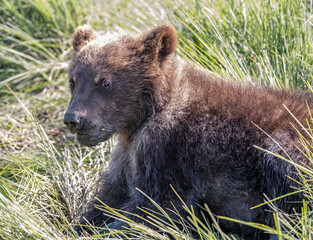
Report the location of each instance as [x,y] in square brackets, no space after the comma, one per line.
[141,208]
[112,191]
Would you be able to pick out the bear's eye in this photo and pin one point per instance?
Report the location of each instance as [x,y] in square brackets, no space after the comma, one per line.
[72,83]
[104,82]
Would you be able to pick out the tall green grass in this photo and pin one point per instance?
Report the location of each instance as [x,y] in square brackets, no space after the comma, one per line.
[46,177]
[34,41]
[269,42]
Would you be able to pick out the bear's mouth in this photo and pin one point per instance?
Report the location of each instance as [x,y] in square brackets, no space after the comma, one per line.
[92,139]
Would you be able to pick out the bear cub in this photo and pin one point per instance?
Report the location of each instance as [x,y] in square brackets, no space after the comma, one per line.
[177,125]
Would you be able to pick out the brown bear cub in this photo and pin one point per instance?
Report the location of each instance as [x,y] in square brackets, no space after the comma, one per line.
[179,126]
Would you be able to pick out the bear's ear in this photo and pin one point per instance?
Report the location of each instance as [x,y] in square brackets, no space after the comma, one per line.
[82,36]
[161,41]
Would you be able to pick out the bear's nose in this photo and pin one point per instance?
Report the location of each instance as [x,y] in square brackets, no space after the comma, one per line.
[72,121]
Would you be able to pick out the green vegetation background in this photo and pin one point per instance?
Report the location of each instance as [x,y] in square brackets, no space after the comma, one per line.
[45,176]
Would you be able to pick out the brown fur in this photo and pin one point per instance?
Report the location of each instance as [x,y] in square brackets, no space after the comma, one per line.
[177,125]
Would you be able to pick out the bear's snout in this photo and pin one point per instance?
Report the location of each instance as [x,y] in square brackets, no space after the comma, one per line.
[72,121]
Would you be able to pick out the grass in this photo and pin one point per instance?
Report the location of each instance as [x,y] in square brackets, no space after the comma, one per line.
[46,177]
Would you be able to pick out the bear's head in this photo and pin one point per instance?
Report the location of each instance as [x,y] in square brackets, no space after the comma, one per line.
[112,78]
